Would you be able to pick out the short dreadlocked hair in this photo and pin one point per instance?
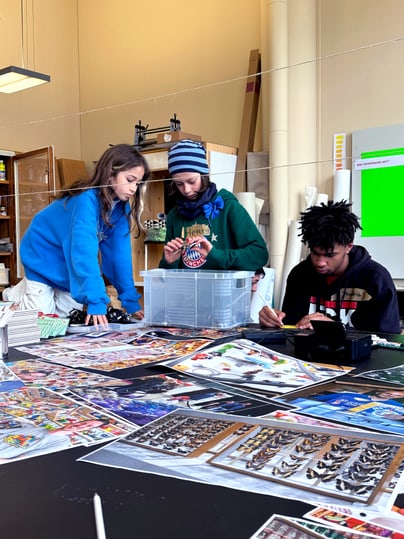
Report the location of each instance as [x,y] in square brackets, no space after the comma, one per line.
[328,224]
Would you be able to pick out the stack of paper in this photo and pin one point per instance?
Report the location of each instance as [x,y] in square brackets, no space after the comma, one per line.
[5,245]
[23,328]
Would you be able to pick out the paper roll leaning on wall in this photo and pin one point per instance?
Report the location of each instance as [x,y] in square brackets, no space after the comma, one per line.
[247,200]
[251,203]
[293,255]
[342,185]
[322,198]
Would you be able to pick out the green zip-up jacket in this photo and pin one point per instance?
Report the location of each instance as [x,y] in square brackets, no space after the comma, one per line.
[237,242]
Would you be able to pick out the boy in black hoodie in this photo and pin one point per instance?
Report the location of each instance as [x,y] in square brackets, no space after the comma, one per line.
[338,281]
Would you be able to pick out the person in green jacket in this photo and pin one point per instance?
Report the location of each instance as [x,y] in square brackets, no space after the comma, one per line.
[207,229]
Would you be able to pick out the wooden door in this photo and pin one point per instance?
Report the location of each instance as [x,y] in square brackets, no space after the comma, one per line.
[35,188]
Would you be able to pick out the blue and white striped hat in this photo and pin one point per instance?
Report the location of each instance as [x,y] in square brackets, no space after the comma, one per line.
[187,156]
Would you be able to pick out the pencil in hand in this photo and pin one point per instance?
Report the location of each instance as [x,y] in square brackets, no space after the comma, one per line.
[186,246]
[271,310]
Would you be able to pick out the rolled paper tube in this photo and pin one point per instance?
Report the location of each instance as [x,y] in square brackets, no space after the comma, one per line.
[310,195]
[293,253]
[342,185]
[322,198]
[247,200]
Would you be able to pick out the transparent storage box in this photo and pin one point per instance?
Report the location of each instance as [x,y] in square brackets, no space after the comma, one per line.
[197,299]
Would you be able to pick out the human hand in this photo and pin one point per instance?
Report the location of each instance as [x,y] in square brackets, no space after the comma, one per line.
[98,320]
[271,317]
[138,315]
[200,244]
[305,322]
[172,250]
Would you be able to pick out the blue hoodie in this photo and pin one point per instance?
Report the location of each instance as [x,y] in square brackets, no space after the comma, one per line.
[61,249]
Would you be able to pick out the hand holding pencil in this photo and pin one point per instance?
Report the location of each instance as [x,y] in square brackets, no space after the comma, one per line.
[269,316]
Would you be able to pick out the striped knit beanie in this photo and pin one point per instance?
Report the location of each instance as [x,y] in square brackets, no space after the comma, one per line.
[187,156]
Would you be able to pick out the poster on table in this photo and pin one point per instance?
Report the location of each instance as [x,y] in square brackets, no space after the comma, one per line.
[249,365]
[371,527]
[392,375]
[8,379]
[107,354]
[298,461]
[358,405]
[34,421]
[150,397]
[38,373]
[283,527]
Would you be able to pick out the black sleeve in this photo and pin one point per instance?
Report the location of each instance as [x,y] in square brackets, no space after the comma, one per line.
[380,313]
[296,302]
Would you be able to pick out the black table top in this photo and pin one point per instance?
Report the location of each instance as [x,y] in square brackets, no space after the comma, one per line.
[51,496]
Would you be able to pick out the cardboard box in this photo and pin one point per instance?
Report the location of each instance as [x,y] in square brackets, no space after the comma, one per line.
[197,299]
[174,136]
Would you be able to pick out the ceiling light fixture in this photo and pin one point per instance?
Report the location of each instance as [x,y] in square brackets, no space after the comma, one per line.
[13,78]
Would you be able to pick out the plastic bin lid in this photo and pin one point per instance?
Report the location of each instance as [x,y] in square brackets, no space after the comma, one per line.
[199,274]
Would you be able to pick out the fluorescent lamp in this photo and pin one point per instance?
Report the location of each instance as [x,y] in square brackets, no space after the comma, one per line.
[14,79]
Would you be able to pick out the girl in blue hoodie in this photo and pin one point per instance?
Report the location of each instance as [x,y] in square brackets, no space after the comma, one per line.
[84,235]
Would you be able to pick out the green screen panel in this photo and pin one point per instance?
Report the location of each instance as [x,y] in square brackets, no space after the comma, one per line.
[382,197]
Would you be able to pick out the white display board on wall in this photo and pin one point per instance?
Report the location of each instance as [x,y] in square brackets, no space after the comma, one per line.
[378,194]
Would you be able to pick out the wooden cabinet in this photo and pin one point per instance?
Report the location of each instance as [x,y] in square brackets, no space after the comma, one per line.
[222,165]
[30,186]
[7,228]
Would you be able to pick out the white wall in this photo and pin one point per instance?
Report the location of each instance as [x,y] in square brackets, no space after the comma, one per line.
[115,63]
[361,75]
[148,60]
[47,114]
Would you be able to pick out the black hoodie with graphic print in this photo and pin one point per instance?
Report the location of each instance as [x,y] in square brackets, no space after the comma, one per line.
[363,297]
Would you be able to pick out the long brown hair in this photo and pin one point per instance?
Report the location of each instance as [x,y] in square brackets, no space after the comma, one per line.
[114,160]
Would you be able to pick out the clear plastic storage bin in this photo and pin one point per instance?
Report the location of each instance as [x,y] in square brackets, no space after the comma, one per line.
[197,299]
